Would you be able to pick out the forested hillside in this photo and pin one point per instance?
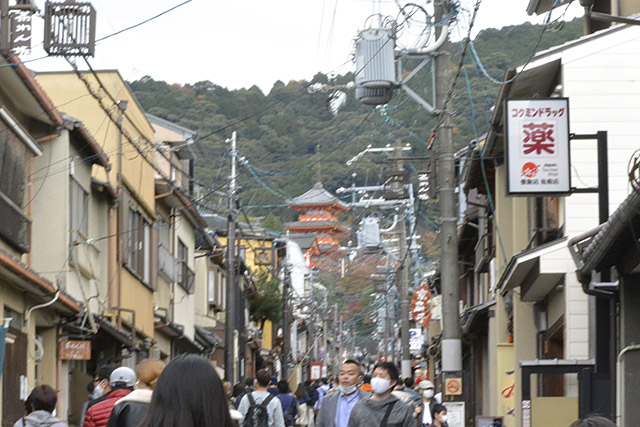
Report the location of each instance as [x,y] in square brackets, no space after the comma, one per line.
[291,139]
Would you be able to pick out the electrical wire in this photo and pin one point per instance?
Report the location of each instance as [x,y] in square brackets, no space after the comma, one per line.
[143,22]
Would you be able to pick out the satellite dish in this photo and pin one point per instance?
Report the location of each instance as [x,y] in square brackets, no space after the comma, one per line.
[336,101]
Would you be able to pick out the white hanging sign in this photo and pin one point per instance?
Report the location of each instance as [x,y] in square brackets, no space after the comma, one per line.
[537,144]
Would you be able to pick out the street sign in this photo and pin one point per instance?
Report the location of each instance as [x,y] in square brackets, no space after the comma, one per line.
[425,186]
[453,386]
[75,350]
[537,133]
[415,340]
[316,371]
[489,421]
[421,306]
[455,414]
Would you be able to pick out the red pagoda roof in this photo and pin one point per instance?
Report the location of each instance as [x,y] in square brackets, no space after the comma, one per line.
[330,227]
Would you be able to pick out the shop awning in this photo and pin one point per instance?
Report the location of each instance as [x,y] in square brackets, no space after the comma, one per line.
[121,336]
[189,345]
[536,271]
[475,318]
[207,338]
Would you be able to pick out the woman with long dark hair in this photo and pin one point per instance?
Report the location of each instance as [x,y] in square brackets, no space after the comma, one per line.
[188,393]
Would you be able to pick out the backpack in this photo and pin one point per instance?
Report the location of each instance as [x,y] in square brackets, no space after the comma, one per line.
[289,418]
[257,415]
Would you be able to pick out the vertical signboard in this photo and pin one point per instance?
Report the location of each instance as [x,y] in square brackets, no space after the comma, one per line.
[507,384]
[415,340]
[316,371]
[537,144]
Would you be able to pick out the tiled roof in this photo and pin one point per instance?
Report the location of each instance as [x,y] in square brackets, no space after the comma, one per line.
[318,195]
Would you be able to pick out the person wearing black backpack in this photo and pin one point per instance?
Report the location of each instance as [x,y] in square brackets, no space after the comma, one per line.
[259,407]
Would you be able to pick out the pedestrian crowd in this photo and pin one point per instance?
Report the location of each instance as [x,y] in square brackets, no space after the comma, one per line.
[189,392]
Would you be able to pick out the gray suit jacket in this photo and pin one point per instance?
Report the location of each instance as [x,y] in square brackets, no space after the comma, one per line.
[327,413]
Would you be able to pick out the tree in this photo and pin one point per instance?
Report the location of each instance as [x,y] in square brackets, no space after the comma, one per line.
[271,222]
[266,303]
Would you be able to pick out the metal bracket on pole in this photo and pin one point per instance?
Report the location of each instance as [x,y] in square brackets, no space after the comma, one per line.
[430,108]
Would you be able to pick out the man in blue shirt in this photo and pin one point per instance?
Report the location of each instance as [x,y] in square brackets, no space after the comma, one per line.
[336,407]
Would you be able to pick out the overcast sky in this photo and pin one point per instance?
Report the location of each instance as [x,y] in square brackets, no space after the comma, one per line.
[244,43]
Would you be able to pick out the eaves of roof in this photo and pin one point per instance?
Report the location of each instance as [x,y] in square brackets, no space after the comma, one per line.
[614,233]
[24,272]
[99,156]
[40,95]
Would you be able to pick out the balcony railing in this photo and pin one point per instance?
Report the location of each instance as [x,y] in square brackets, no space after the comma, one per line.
[186,277]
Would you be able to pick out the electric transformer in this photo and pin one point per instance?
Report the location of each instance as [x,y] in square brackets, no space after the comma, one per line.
[375,70]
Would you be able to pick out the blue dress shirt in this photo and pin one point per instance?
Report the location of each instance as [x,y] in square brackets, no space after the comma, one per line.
[345,405]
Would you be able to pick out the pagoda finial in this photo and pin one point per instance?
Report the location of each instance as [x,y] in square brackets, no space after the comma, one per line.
[318,172]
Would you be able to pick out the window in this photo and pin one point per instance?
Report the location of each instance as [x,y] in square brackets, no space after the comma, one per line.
[211,291]
[15,227]
[548,222]
[217,291]
[78,208]
[164,234]
[138,255]
[186,276]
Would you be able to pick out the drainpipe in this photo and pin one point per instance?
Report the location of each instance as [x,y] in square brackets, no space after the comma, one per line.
[620,395]
[133,321]
[122,105]
[28,324]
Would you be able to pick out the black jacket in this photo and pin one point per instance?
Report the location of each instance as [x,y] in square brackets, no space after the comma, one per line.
[128,414]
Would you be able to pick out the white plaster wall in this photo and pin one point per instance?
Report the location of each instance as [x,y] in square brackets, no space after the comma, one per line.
[184,303]
[601,78]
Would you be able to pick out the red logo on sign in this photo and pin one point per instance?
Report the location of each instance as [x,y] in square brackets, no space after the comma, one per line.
[530,169]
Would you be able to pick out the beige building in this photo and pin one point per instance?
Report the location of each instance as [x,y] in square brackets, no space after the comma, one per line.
[33,306]
[177,229]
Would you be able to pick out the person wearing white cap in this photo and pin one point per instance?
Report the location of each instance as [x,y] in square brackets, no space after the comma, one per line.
[121,380]
[423,412]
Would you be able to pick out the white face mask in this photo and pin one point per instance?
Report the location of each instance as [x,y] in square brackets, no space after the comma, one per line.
[443,419]
[380,385]
[349,389]
[98,391]
[427,394]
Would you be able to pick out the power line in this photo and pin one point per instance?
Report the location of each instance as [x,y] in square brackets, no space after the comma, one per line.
[144,22]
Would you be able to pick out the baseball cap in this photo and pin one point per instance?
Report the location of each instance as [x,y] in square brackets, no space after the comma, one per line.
[123,377]
[426,384]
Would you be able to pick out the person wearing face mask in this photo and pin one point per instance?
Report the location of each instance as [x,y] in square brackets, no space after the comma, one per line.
[101,389]
[423,412]
[382,409]
[336,407]
[439,415]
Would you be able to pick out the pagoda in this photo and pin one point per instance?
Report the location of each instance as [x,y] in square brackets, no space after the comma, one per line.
[318,208]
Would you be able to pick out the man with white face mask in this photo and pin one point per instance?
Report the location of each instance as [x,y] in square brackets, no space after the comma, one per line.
[336,407]
[423,412]
[101,389]
[383,409]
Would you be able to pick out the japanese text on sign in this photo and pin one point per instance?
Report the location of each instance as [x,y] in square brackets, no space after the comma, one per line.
[538,146]
[421,306]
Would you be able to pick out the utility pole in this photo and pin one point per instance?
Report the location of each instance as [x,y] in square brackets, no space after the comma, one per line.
[451,342]
[334,343]
[286,323]
[403,283]
[231,313]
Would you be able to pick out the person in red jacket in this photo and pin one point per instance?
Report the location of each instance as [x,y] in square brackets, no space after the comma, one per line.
[122,381]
